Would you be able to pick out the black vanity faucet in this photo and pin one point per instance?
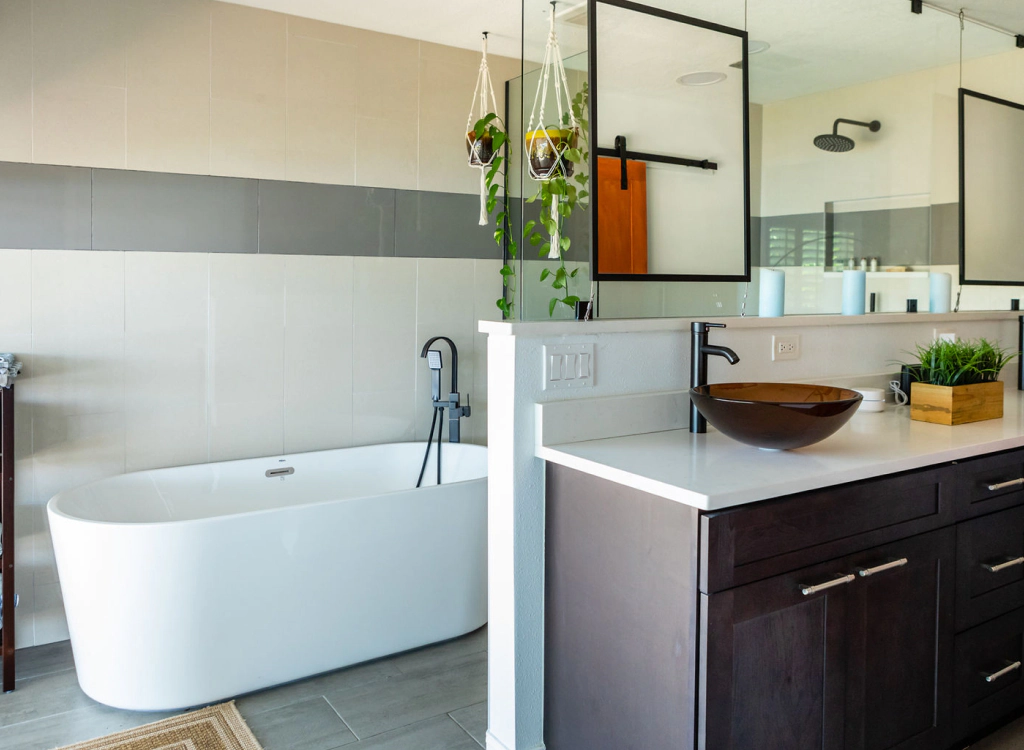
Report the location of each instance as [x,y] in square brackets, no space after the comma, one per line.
[699,351]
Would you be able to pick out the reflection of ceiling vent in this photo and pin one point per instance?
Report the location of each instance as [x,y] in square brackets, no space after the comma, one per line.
[574,14]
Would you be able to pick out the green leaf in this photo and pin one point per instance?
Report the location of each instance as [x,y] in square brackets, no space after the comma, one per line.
[584,194]
[498,140]
[565,242]
[495,166]
[499,235]
[571,300]
[556,187]
[580,178]
[481,124]
[544,250]
[533,198]
[536,239]
[551,226]
[574,272]
[545,273]
[574,155]
[500,218]
[507,270]
[551,306]
[492,203]
[493,192]
[529,226]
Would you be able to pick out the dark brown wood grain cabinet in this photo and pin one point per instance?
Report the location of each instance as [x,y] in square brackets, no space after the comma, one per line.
[861,617]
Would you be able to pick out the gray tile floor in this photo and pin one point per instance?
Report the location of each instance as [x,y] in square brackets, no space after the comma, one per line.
[430,699]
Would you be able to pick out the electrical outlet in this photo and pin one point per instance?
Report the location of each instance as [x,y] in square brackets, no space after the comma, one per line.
[950,337]
[785,348]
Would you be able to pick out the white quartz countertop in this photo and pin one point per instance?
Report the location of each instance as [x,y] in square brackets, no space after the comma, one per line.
[712,471]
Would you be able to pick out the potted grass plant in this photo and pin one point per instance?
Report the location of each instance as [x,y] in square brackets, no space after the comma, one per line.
[959,382]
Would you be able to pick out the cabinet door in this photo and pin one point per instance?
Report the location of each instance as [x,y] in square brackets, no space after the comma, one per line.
[900,645]
[773,662]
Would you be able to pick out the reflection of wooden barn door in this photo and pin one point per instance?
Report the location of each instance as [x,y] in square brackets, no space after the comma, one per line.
[622,217]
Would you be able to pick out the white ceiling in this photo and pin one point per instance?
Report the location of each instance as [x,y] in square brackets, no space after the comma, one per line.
[817,45]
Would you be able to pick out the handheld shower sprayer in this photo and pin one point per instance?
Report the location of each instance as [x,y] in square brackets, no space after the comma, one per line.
[435,364]
[456,410]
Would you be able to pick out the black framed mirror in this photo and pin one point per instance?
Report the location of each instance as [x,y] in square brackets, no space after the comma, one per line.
[991,179]
[670,156]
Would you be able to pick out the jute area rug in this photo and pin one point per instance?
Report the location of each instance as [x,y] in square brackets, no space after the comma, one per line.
[214,728]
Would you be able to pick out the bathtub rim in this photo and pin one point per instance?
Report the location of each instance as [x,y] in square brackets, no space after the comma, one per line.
[51,504]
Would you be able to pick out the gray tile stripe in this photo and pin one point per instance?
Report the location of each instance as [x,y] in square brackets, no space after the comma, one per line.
[74,208]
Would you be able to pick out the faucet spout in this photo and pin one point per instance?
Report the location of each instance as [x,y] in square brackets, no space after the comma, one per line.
[721,351]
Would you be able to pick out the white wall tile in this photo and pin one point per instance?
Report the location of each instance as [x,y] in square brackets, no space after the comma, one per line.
[318,353]
[444,307]
[246,370]
[166,353]
[383,417]
[15,292]
[385,324]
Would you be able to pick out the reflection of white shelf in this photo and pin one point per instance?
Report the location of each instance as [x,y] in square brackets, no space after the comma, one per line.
[885,274]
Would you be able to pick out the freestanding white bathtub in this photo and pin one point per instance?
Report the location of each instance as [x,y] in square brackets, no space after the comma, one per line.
[185,586]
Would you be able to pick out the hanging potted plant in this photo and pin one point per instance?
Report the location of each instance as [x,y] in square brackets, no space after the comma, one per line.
[553,150]
[485,139]
[959,382]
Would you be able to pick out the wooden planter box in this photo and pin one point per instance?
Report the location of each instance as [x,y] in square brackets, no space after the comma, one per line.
[959,404]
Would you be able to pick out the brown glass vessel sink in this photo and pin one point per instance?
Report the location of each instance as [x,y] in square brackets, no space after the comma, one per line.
[780,416]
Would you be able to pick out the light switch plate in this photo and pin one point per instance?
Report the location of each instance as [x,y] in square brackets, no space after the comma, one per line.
[568,366]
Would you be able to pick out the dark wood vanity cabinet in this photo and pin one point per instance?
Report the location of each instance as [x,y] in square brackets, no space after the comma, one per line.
[863,617]
[853,653]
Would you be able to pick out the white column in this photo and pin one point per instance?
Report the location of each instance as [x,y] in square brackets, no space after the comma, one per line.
[515,667]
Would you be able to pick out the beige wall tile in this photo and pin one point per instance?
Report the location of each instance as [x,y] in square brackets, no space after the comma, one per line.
[79,126]
[248,139]
[442,140]
[168,132]
[168,48]
[322,78]
[16,81]
[389,76]
[249,50]
[386,153]
[78,42]
[330,32]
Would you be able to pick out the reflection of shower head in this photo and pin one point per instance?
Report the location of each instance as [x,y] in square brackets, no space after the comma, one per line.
[840,143]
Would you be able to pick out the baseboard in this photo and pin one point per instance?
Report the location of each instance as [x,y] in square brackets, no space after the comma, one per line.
[493,743]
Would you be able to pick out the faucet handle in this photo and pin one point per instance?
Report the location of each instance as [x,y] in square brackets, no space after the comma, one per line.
[702,327]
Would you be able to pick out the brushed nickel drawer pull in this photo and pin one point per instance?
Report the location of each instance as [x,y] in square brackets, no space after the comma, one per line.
[1002,672]
[865,572]
[282,472]
[808,590]
[1005,485]
[1003,565]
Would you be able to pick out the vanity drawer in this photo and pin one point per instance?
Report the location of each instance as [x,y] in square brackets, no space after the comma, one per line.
[754,542]
[990,484]
[990,567]
[988,681]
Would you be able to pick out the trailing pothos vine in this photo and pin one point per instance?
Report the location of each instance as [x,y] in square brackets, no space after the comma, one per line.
[559,197]
[492,125]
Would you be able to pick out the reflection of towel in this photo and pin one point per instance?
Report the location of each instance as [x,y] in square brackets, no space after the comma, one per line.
[9,369]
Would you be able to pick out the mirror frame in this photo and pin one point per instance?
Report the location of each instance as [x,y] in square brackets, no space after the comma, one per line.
[963,94]
[592,74]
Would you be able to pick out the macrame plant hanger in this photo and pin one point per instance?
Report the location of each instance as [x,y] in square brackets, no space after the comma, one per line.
[546,157]
[480,145]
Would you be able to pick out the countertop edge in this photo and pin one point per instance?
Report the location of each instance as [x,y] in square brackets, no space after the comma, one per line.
[725,500]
